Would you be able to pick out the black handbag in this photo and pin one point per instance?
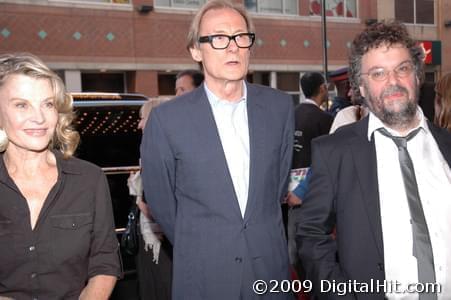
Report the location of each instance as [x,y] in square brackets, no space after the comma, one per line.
[130,237]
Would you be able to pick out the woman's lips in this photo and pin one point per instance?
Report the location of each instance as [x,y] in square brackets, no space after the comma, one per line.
[36,131]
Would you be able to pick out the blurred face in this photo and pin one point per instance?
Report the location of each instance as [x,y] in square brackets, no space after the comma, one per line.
[184,85]
[144,115]
[222,65]
[390,85]
[324,92]
[27,112]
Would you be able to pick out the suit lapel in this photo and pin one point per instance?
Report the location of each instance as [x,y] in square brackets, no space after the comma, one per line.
[204,121]
[255,115]
[364,153]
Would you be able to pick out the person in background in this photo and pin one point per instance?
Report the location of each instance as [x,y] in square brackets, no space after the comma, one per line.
[340,78]
[350,114]
[383,183]
[155,267]
[187,80]
[310,122]
[442,102]
[154,258]
[215,166]
[57,238]
[426,100]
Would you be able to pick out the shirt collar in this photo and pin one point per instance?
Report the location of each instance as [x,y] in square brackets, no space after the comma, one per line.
[65,165]
[374,123]
[215,100]
[310,101]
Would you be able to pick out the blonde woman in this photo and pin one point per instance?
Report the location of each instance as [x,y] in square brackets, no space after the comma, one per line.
[443,102]
[57,237]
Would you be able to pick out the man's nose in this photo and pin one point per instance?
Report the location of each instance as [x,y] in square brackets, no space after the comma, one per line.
[392,77]
[232,45]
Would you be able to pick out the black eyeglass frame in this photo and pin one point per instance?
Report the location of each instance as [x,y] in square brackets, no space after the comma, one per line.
[209,39]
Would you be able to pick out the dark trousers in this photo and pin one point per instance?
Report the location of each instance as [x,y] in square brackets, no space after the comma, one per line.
[154,280]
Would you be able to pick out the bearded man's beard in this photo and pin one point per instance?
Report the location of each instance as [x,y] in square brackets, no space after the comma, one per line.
[401,117]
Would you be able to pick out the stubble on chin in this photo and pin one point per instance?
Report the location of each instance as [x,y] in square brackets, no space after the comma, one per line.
[401,117]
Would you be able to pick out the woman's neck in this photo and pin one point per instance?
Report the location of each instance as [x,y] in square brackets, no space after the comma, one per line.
[27,163]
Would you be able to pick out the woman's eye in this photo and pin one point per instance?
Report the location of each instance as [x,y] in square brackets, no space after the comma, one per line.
[49,105]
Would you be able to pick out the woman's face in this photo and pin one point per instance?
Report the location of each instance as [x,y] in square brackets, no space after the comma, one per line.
[27,112]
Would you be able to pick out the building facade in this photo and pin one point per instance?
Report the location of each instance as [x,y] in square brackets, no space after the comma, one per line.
[139,45]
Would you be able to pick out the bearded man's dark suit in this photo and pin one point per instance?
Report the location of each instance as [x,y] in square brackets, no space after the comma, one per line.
[343,193]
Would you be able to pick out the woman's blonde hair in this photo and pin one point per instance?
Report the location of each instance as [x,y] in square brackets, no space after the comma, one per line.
[65,138]
[443,106]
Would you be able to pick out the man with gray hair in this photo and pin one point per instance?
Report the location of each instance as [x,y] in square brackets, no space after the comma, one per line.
[215,167]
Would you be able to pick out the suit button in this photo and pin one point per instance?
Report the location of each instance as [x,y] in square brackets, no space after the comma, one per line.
[245,226]
[380,266]
[238,259]
[33,275]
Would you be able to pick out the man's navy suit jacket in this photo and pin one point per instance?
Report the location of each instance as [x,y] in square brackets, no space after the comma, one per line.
[343,192]
[190,193]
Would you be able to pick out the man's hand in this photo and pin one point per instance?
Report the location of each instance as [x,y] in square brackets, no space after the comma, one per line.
[293,200]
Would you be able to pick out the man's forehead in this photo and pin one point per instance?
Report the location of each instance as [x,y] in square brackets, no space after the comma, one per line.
[211,18]
[390,51]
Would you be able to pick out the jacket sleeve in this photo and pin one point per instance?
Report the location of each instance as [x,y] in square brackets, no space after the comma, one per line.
[286,152]
[158,174]
[316,245]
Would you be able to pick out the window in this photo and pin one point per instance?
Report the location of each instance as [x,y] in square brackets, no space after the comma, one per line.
[415,11]
[96,1]
[289,7]
[103,82]
[335,8]
[179,3]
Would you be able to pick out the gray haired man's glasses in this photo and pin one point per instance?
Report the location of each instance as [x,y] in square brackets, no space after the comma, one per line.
[222,41]
[381,74]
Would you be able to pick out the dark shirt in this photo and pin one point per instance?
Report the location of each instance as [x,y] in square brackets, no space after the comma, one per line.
[73,239]
[310,122]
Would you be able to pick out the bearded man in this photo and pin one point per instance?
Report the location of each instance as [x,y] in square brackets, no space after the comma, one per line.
[383,183]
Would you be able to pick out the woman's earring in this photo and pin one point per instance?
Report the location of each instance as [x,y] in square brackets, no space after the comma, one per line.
[3,137]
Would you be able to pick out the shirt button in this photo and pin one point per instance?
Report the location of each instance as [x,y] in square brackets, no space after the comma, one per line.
[238,259]
[33,275]
[32,248]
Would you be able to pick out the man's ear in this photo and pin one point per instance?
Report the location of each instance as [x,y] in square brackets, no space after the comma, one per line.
[195,53]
